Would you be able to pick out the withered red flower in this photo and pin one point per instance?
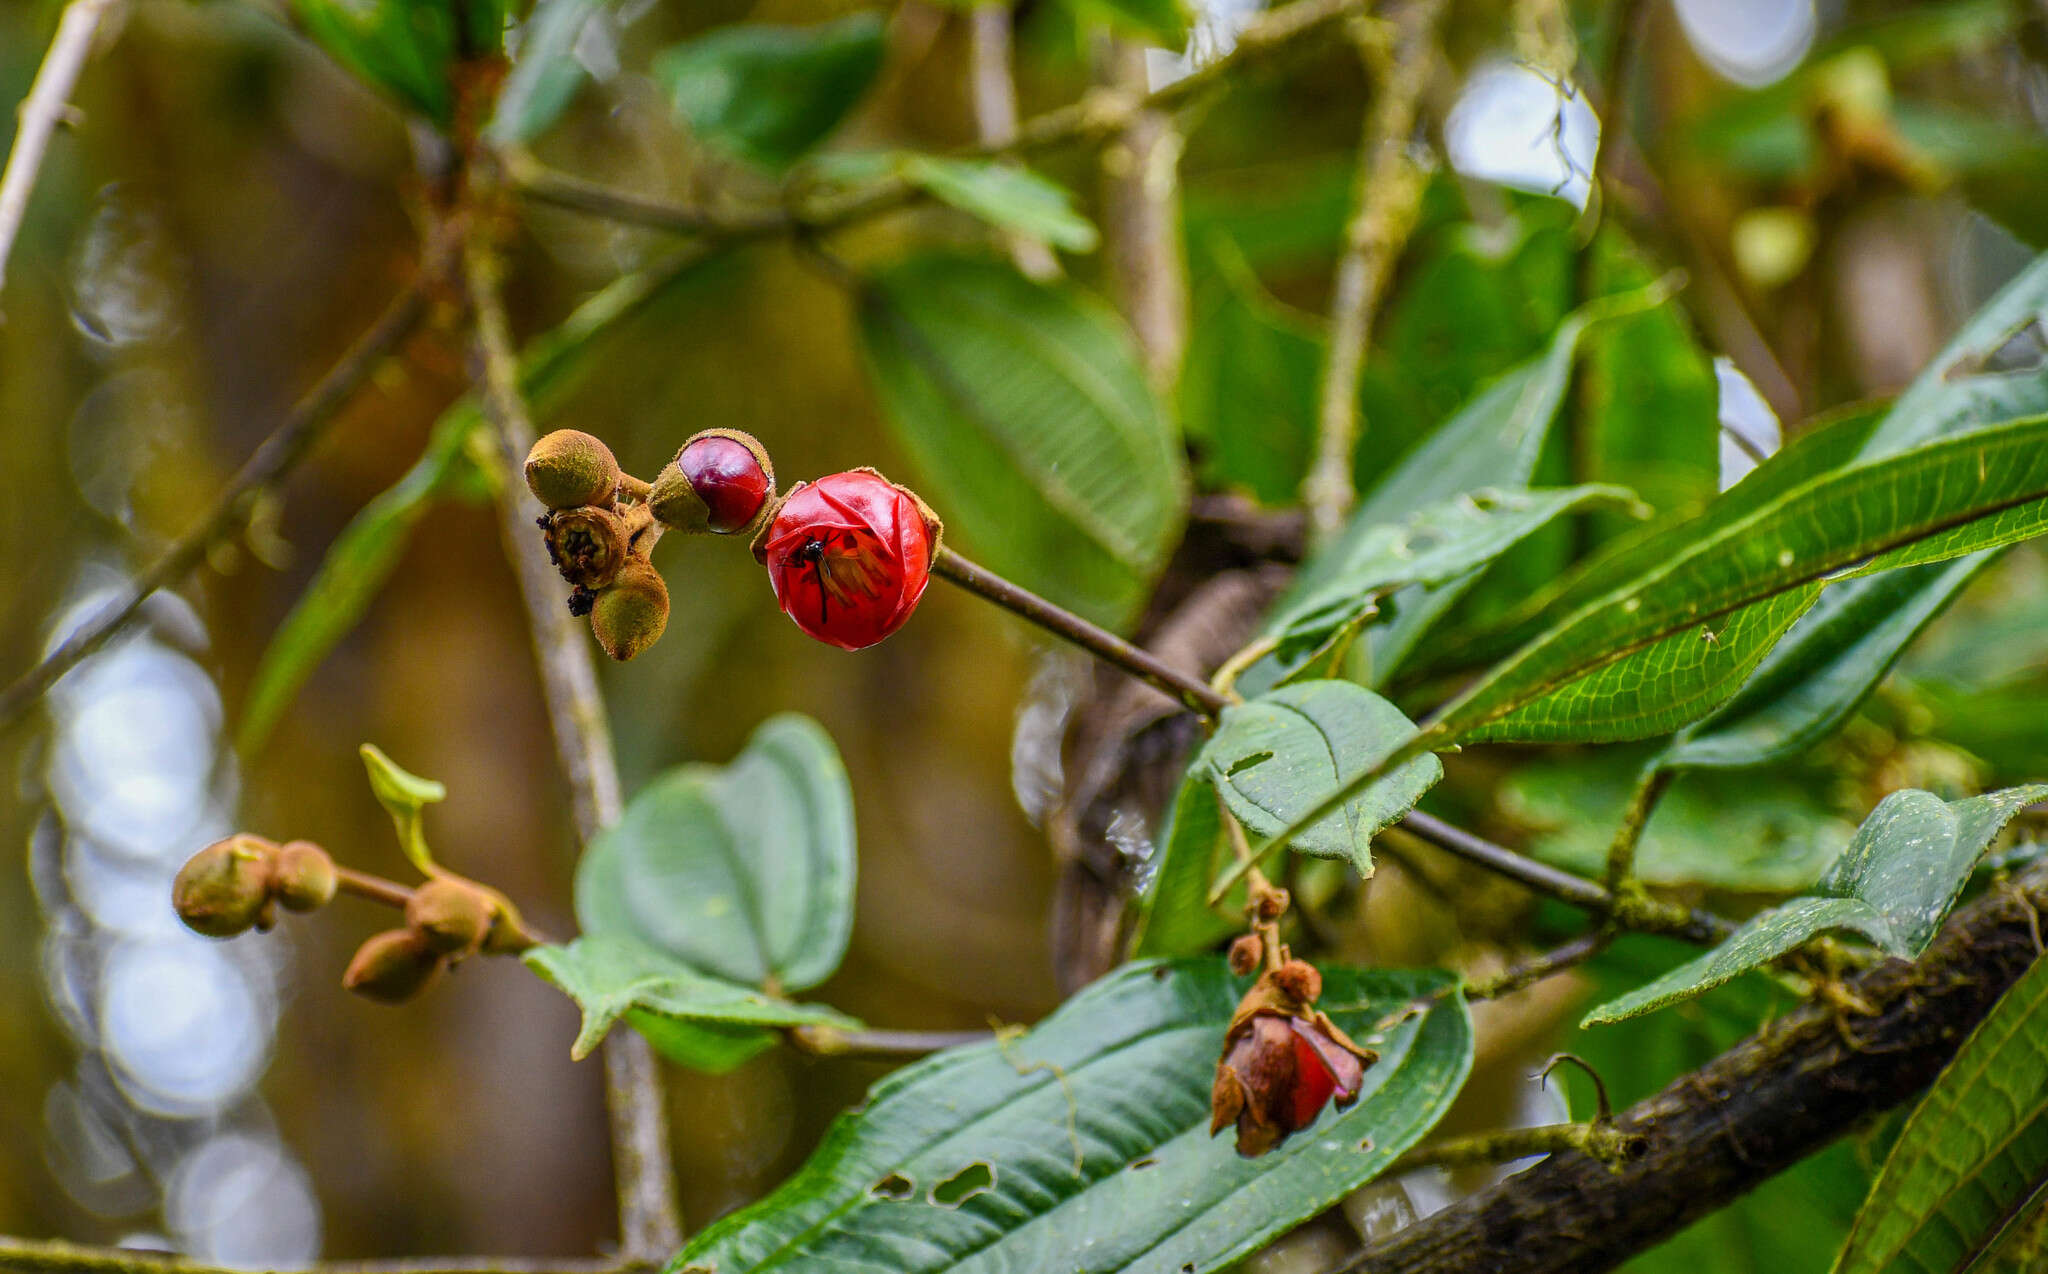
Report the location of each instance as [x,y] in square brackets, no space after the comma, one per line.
[1282,1063]
[849,556]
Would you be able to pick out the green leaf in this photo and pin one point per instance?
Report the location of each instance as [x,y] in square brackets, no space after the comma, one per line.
[1750,833]
[352,572]
[1164,21]
[1894,885]
[1001,193]
[767,94]
[610,977]
[1431,547]
[405,796]
[1248,384]
[1824,667]
[1274,755]
[1989,372]
[1173,915]
[402,47]
[744,872]
[1972,1154]
[1029,420]
[546,74]
[1091,1135]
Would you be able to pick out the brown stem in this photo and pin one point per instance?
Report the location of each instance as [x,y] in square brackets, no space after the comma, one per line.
[375,888]
[993,87]
[1538,967]
[273,458]
[832,1041]
[1786,1092]
[1141,222]
[41,111]
[1190,692]
[650,1221]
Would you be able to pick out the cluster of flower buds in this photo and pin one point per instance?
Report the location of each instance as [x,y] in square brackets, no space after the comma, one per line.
[1283,1060]
[447,920]
[239,883]
[848,555]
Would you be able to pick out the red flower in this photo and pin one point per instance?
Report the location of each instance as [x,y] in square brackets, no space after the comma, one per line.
[1282,1063]
[849,556]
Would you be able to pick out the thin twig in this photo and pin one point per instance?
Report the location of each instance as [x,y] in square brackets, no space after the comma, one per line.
[47,103]
[993,87]
[1621,853]
[1597,1140]
[374,888]
[1385,197]
[832,1041]
[55,1256]
[277,455]
[1536,968]
[650,1222]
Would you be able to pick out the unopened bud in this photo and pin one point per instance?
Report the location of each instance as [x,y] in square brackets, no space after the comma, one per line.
[301,876]
[630,615]
[720,481]
[392,967]
[453,916]
[1300,980]
[587,545]
[569,468]
[221,890]
[1246,953]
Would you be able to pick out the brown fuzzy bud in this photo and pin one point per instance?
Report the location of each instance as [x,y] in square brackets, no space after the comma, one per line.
[1246,953]
[221,890]
[1300,981]
[569,468]
[588,545]
[631,614]
[1272,903]
[301,876]
[392,967]
[453,916]
[721,481]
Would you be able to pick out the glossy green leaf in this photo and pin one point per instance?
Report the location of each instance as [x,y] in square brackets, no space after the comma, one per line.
[1747,833]
[362,558]
[1089,1139]
[768,94]
[1824,667]
[1272,756]
[546,73]
[1248,384]
[1165,22]
[1974,1152]
[1894,885]
[1032,429]
[1431,547]
[401,47]
[744,872]
[1001,193]
[405,796]
[611,977]
[1991,371]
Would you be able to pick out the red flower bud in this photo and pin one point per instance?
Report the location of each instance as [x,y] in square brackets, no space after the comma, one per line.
[1282,1063]
[849,556]
[718,482]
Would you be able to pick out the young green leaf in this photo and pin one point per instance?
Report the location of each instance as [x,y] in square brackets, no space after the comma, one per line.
[1894,885]
[1031,425]
[1003,194]
[1973,1154]
[1274,755]
[767,94]
[611,976]
[1084,1143]
[1172,913]
[1165,22]
[401,47]
[744,872]
[405,796]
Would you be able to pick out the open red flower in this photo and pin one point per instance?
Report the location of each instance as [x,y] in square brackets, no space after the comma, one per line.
[1282,1063]
[849,556]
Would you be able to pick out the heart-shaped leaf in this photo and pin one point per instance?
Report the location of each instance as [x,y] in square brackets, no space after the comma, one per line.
[744,872]
[1084,1144]
[1894,885]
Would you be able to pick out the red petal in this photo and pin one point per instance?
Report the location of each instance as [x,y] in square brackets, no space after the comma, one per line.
[1314,1081]
[1347,1072]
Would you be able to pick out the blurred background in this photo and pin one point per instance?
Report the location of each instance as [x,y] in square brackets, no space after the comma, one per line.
[1842,182]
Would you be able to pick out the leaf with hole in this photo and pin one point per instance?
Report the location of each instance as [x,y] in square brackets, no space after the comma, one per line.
[768,94]
[612,977]
[744,871]
[1034,433]
[1894,885]
[1273,755]
[1084,1143]
[1974,1153]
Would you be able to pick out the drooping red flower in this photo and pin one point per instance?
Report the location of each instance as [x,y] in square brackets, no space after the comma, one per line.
[849,556]
[1282,1063]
